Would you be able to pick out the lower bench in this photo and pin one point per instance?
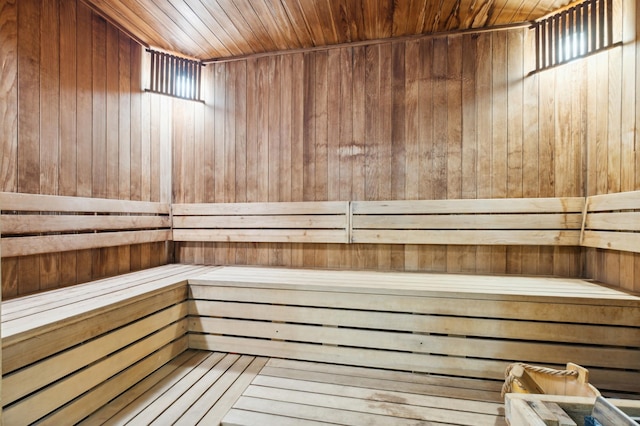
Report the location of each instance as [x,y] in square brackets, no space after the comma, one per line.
[470,326]
[67,352]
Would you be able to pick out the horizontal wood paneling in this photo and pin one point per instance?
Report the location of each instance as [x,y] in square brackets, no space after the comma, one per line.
[445,117]
[76,123]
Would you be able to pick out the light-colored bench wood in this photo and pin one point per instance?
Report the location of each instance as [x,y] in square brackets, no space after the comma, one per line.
[300,222]
[509,221]
[69,351]
[442,324]
[299,393]
[196,388]
[35,224]
[613,222]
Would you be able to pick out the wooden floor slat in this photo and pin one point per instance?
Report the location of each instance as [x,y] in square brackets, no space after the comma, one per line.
[237,417]
[392,385]
[196,387]
[377,394]
[211,388]
[289,391]
[118,405]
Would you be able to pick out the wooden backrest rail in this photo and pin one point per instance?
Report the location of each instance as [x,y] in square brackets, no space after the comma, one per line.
[35,224]
[508,221]
[613,222]
[295,222]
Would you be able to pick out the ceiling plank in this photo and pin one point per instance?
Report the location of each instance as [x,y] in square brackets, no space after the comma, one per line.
[204,23]
[233,25]
[299,23]
[207,29]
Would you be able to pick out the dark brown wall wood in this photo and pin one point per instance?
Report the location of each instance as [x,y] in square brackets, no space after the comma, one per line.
[440,117]
[75,122]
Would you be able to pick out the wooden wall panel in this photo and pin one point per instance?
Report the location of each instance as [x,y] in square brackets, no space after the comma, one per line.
[9,118]
[454,116]
[76,122]
[613,150]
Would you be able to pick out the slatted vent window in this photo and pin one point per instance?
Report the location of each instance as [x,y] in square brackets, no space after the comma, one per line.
[175,76]
[579,31]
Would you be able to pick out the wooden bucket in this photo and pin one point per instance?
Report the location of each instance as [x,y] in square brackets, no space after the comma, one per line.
[531,379]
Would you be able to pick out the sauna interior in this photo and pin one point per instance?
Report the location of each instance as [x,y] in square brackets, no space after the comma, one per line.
[298,212]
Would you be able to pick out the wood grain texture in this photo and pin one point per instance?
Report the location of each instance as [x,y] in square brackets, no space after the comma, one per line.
[358,333]
[74,127]
[612,160]
[224,28]
[433,118]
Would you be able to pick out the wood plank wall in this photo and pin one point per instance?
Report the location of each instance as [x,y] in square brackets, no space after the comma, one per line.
[75,122]
[612,123]
[443,117]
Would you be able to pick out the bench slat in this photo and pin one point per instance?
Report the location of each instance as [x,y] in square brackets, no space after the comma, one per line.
[13,201]
[625,241]
[37,304]
[568,312]
[467,237]
[629,221]
[40,346]
[629,200]
[489,349]
[34,224]
[607,228]
[41,403]
[315,221]
[262,235]
[412,322]
[475,221]
[64,315]
[483,286]
[262,209]
[471,206]
[24,246]
[488,369]
[25,381]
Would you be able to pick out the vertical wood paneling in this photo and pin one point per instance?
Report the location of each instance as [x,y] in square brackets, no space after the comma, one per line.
[28,124]
[484,133]
[612,148]
[530,163]
[71,83]
[275,162]
[443,117]
[455,254]
[49,123]
[9,123]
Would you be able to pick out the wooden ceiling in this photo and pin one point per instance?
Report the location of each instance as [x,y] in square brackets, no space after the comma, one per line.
[207,29]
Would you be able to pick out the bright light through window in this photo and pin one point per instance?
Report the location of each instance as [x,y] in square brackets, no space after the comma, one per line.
[174,76]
